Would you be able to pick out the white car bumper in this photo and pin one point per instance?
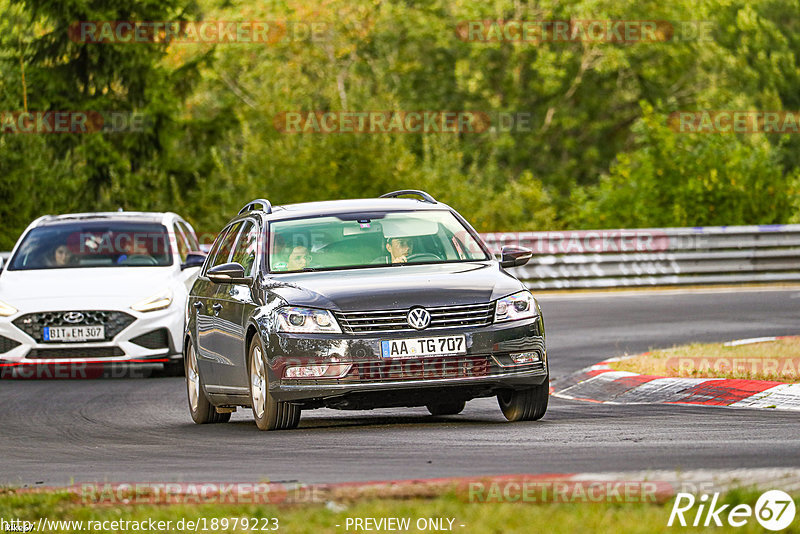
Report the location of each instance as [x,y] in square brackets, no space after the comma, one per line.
[154,337]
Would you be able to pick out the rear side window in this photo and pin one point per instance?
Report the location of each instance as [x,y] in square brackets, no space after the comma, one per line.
[246,248]
[221,250]
[181,241]
[191,237]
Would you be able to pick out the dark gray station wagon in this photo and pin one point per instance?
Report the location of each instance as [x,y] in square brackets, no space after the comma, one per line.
[359,304]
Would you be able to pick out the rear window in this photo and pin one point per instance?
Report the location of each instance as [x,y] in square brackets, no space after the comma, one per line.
[93,244]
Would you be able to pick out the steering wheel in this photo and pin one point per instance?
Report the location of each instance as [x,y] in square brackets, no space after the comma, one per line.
[140,259]
[423,256]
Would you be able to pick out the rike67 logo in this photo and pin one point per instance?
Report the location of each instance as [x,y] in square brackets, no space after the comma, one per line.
[774,511]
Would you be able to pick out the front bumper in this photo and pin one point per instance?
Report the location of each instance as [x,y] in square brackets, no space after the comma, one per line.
[373,380]
[164,329]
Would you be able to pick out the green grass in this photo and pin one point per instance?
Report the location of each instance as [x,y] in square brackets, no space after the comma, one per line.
[769,360]
[317,518]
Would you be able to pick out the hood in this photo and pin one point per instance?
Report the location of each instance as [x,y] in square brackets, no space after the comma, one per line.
[397,287]
[76,288]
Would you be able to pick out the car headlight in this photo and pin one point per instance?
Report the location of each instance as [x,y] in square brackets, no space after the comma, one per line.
[7,310]
[520,305]
[306,320]
[158,301]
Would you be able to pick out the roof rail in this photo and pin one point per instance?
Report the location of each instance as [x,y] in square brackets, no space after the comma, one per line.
[250,206]
[425,196]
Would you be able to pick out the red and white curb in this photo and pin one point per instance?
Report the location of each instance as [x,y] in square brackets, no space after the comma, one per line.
[599,383]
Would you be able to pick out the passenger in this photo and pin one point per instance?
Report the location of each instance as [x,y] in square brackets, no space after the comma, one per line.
[299,259]
[400,248]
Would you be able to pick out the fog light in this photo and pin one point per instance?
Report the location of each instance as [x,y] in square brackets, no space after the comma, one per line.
[307,371]
[525,357]
[336,370]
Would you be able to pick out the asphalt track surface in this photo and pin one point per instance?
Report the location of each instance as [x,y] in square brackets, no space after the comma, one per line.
[59,432]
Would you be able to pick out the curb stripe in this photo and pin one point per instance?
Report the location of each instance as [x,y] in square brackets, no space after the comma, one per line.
[601,384]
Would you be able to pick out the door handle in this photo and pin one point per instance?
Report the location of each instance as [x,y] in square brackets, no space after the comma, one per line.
[198,306]
[217,307]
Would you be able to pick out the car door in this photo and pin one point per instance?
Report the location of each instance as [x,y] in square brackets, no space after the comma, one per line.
[234,299]
[206,307]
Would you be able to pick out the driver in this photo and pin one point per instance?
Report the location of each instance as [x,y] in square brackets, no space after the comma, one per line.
[400,248]
[61,257]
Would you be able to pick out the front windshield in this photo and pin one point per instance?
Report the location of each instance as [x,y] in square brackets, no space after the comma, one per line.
[370,240]
[93,244]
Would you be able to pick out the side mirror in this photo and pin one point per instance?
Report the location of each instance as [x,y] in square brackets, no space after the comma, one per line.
[515,256]
[230,273]
[193,259]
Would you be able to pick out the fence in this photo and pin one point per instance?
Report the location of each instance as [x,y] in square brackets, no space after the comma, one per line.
[656,256]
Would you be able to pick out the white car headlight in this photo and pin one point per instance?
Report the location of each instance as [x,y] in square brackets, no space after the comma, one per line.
[7,310]
[520,305]
[306,320]
[158,301]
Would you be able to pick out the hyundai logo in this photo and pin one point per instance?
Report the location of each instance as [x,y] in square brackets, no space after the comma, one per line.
[73,317]
[418,318]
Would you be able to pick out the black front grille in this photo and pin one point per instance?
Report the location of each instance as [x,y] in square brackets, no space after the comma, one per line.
[157,339]
[77,352]
[376,322]
[113,321]
[7,344]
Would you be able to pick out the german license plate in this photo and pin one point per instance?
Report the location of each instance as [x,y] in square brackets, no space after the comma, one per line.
[69,334]
[423,346]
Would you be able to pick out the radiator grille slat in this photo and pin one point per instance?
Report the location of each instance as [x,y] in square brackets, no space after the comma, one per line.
[376,322]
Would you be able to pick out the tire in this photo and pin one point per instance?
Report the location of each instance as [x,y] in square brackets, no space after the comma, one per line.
[201,410]
[446,408]
[268,413]
[525,404]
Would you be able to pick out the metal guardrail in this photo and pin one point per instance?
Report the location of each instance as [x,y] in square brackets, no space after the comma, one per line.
[653,256]
[656,256]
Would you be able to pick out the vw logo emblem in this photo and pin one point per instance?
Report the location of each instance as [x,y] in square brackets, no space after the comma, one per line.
[418,318]
[73,317]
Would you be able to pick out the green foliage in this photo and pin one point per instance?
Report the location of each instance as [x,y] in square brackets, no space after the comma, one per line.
[678,179]
[596,150]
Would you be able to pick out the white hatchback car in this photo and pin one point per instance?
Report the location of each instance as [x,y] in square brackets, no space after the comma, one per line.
[98,288]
